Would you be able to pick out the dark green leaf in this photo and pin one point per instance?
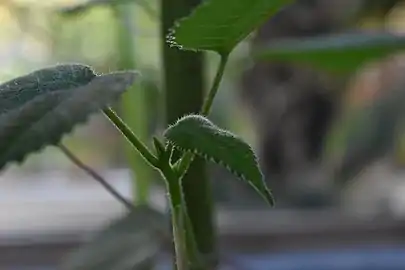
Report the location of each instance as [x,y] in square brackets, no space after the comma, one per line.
[129,243]
[219,25]
[44,119]
[364,135]
[338,52]
[199,135]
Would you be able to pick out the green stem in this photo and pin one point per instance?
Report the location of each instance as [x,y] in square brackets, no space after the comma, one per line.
[188,157]
[131,137]
[215,86]
[197,203]
[176,205]
[133,102]
[187,255]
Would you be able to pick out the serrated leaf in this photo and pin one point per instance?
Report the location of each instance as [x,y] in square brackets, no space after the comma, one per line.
[366,134]
[129,243]
[44,119]
[197,134]
[219,25]
[337,53]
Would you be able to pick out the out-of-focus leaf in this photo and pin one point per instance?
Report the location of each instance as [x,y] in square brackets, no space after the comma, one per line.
[42,118]
[366,134]
[127,244]
[87,5]
[336,53]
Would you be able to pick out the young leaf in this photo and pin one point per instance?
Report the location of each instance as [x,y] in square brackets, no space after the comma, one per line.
[336,53]
[129,243]
[197,134]
[219,25]
[44,119]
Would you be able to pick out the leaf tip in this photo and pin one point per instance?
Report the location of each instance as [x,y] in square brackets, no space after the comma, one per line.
[119,81]
[268,196]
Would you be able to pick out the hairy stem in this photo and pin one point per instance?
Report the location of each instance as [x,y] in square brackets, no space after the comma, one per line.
[185,95]
[75,160]
[184,167]
[131,137]
[177,214]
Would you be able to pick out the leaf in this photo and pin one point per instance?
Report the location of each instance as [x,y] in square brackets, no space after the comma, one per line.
[219,25]
[44,119]
[129,243]
[87,5]
[366,134]
[197,134]
[23,89]
[337,53]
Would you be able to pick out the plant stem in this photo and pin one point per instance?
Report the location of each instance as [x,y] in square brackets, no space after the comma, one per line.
[205,188]
[185,95]
[131,137]
[95,176]
[206,108]
[133,102]
[177,214]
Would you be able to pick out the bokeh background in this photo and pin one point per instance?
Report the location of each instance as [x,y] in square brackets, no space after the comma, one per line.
[48,205]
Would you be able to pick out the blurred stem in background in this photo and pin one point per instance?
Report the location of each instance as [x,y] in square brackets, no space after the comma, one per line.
[184,94]
[133,106]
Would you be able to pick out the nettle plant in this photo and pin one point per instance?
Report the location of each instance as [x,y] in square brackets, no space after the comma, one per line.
[39,108]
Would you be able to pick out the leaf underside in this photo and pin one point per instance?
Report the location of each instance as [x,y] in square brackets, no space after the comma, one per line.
[335,53]
[128,243]
[197,134]
[219,25]
[42,117]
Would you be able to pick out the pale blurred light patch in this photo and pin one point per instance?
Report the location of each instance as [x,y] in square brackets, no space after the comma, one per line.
[56,202]
[48,3]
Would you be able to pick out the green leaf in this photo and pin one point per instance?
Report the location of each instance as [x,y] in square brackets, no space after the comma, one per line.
[197,134]
[337,53]
[42,119]
[366,134]
[219,25]
[131,242]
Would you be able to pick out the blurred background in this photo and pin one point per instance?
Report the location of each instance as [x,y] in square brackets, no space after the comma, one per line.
[290,114]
